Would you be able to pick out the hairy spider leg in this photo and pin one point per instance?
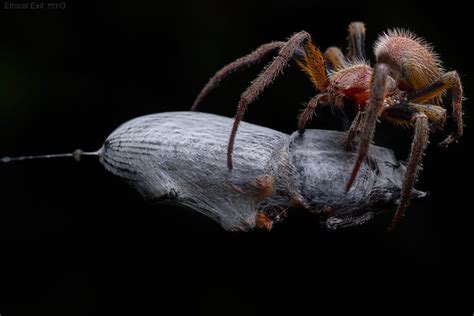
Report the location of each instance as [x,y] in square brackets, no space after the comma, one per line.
[449,80]
[419,115]
[268,75]
[402,114]
[418,147]
[354,129]
[240,64]
[356,39]
[436,114]
[374,108]
[335,59]
[309,110]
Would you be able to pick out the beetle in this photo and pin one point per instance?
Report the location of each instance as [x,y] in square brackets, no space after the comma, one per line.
[179,157]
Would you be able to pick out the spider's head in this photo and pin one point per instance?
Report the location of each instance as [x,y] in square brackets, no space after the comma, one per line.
[354,81]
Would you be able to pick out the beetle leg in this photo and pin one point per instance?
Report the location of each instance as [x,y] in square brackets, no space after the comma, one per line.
[263,221]
[172,195]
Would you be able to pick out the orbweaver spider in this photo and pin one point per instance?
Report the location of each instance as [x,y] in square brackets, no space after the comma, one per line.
[405,87]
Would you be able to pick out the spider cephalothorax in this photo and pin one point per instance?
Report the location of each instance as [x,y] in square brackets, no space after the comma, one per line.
[405,87]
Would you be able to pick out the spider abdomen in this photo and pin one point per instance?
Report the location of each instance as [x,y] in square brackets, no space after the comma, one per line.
[411,59]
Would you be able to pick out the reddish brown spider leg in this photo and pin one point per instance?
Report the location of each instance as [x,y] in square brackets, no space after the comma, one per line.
[356,41]
[436,114]
[418,147]
[267,77]
[371,113]
[308,112]
[335,59]
[242,63]
[348,141]
[449,80]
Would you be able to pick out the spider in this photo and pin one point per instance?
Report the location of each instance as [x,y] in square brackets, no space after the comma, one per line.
[405,87]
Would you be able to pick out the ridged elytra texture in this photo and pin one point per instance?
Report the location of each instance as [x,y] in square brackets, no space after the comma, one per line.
[185,153]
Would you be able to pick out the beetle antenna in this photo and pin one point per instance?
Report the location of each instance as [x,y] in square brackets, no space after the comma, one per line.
[76,155]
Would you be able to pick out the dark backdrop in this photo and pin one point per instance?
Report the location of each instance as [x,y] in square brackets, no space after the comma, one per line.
[75,240]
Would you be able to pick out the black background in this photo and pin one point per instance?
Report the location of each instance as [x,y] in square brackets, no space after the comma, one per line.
[75,240]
